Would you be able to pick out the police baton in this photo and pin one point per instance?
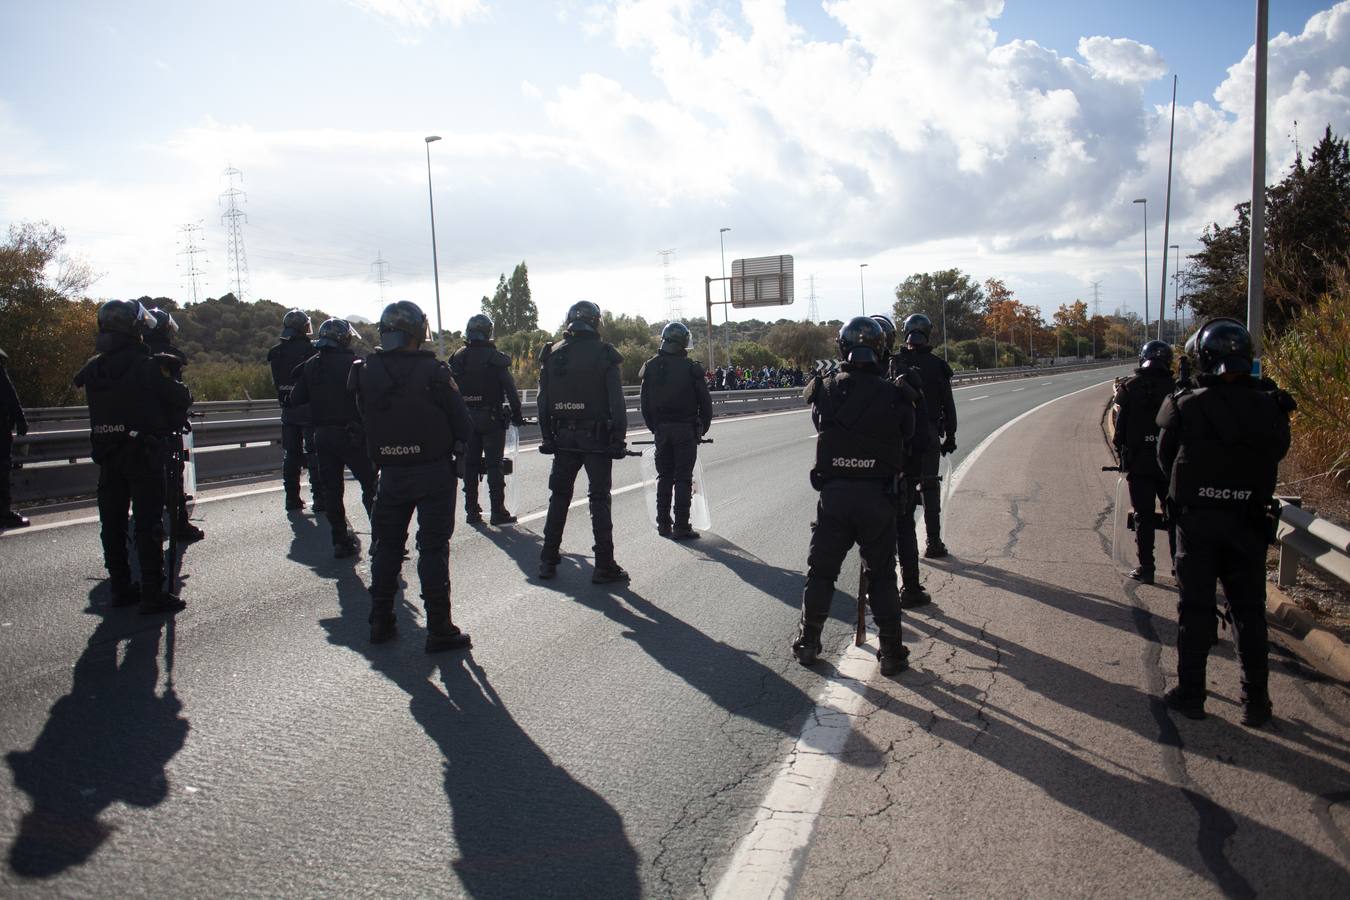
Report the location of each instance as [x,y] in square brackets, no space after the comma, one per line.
[640,443]
[860,630]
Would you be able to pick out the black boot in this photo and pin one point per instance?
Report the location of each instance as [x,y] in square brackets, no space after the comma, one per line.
[913,595]
[684,533]
[10,519]
[125,593]
[293,501]
[662,527]
[1142,575]
[383,625]
[155,602]
[935,549]
[807,646]
[1190,704]
[607,571]
[1256,710]
[892,654]
[443,634]
[501,516]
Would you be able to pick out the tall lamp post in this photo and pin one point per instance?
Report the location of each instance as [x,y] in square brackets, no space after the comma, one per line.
[1145,202]
[1176,292]
[862,291]
[726,316]
[435,265]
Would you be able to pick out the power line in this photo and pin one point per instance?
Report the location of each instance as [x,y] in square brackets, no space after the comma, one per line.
[234,218]
[192,247]
[674,294]
[812,310]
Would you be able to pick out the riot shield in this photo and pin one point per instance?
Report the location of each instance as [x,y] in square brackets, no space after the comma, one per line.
[189,470]
[1124,552]
[945,472]
[700,517]
[511,494]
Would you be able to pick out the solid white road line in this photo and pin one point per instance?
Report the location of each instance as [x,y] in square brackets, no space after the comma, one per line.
[981,397]
[768,861]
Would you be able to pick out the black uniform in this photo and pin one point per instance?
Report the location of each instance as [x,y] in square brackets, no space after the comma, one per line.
[863,422]
[12,420]
[937,383]
[297,426]
[1138,400]
[174,360]
[339,439]
[484,376]
[1221,445]
[677,408]
[414,417]
[584,423]
[910,382]
[134,408]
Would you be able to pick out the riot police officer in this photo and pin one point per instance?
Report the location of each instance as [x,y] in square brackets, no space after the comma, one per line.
[135,405]
[917,353]
[297,429]
[910,382]
[484,376]
[415,421]
[1137,402]
[583,424]
[1221,443]
[159,339]
[339,439]
[863,422]
[677,408]
[12,420]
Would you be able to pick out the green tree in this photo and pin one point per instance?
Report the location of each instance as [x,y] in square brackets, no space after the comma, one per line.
[931,293]
[753,356]
[511,307]
[802,343]
[47,325]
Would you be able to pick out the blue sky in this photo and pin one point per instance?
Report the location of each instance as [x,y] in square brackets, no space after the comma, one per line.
[586,136]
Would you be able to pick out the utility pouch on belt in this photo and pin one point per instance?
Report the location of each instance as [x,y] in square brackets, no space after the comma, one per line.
[817,480]
[1271,521]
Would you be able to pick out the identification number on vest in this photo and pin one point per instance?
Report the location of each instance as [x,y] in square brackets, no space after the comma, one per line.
[848,462]
[408,450]
[108,429]
[569,406]
[1212,493]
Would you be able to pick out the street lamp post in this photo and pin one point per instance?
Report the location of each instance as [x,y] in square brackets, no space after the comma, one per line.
[726,316]
[435,265]
[862,291]
[1145,202]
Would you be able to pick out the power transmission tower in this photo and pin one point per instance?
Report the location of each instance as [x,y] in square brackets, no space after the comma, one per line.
[812,311]
[379,265]
[674,295]
[234,219]
[191,244]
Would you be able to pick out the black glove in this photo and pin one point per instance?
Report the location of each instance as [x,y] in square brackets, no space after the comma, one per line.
[546,448]
[618,451]
[949,445]
[21,427]
[518,421]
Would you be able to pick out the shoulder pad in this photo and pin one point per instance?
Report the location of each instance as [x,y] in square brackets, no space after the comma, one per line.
[613,356]
[545,350]
[500,360]
[273,352]
[697,368]
[946,369]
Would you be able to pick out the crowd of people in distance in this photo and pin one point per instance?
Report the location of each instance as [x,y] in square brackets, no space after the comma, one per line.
[747,378]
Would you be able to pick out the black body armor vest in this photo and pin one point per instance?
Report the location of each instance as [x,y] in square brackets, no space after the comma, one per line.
[285,357]
[860,434]
[1140,397]
[404,423]
[325,378]
[936,375]
[122,401]
[477,369]
[1228,456]
[576,380]
[669,380]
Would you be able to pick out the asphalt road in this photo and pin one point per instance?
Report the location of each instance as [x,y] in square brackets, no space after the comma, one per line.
[597,741]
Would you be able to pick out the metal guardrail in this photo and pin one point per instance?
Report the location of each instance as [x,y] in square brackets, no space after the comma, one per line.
[1304,537]
[243,437]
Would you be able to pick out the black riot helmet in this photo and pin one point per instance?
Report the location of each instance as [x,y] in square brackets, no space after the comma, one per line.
[478,329]
[1225,348]
[888,327]
[862,342]
[335,333]
[125,317]
[295,324]
[584,316]
[676,337]
[165,328]
[403,324]
[918,330]
[1156,355]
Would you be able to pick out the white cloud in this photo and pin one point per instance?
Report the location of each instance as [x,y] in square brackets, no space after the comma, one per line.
[1121,59]
[424,13]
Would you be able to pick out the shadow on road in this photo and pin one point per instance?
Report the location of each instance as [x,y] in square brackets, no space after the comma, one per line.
[523,826]
[1175,819]
[106,741]
[782,584]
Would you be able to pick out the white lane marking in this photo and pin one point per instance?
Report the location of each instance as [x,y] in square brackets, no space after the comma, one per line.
[535,516]
[768,861]
[981,397]
[1015,390]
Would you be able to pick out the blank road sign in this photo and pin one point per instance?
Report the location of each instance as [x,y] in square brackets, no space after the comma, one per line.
[762,281]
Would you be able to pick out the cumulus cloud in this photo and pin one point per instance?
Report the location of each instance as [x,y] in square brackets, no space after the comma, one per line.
[1121,59]
[423,13]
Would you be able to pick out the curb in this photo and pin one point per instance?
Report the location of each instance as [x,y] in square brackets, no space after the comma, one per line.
[1310,642]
